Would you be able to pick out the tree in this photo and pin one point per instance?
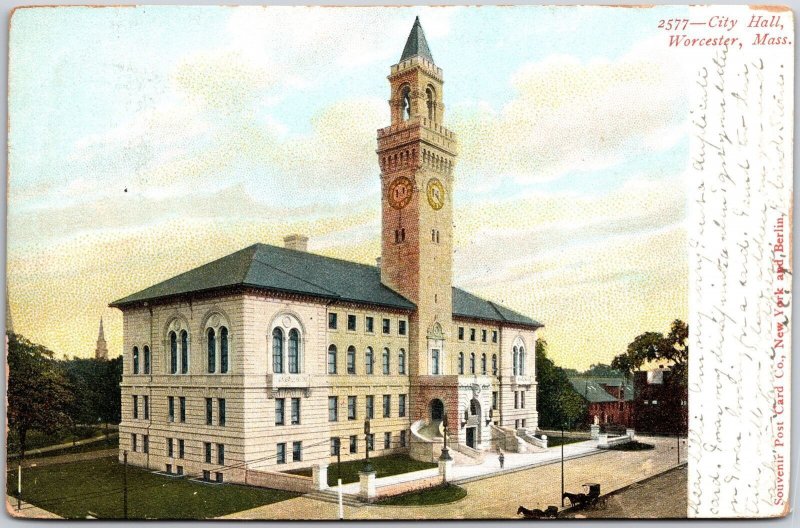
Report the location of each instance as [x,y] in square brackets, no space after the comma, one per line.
[601,370]
[95,384]
[38,392]
[557,400]
[651,347]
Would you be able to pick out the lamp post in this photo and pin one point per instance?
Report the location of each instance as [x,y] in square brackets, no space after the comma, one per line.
[445,452]
[367,465]
[562,465]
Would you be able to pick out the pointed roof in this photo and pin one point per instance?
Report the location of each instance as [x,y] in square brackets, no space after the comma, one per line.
[416,45]
[101,336]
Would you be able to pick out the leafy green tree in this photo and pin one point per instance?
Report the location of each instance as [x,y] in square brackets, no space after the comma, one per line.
[557,400]
[38,392]
[95,384]
[601,370]
[652,347]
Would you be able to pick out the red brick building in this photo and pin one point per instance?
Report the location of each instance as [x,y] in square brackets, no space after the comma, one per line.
[609,399]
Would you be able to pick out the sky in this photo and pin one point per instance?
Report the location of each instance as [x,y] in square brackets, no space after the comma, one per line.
[145,141]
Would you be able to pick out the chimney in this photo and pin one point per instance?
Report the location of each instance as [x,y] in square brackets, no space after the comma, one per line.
[296,242]
[378,262]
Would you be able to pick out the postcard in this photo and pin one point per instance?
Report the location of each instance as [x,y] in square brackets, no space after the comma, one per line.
[348,263]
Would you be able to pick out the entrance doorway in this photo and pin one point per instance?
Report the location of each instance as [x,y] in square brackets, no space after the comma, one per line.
[471,437]
[437,410]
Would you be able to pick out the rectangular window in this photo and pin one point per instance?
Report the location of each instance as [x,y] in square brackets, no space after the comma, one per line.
[295,411]
[134,446]
[181,448]
[494,336]
[171,408]
[369,323]
[460,333]
[435,361]
[516,400]
[169,468]
[182,403]
[219,477]
[516,424]
[401,408]
[332,320]
[336,444]
[280,452]
[135,407]
[371,442]
[221,410]
[221,454]
[387,326]
[402,438]
[297,451]
[524,422]
[483,335]
[280,406]
[370,407]
[180,470]
[146,444]
[333,409]
[209,411]
[146,407]
[522,400]
[353,444]
[494,400]
[387,440]
[472,334]
[206,475]
[387,405]
[351,322]
[170,453]
[401,327]
[351,407]
[207,447]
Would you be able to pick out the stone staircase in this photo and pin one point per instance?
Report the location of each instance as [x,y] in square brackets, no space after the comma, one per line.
[332,496]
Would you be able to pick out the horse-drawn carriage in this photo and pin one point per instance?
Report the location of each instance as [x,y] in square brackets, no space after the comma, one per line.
[591,497]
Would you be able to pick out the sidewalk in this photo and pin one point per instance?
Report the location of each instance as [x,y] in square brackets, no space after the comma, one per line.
[65,445]
[28,511]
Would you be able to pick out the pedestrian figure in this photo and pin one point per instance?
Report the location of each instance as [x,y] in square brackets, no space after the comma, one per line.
[502,459]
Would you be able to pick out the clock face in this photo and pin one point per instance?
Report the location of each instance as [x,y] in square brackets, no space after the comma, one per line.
[400,191]
[435,192]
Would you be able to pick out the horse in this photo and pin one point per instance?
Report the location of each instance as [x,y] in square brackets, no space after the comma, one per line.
[578,499]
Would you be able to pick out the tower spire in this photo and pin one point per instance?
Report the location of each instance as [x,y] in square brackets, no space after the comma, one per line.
[101,351]
[416,45]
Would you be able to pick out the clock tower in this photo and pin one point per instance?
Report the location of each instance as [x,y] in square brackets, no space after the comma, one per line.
[417,156]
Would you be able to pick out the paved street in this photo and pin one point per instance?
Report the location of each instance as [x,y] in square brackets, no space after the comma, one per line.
[499,496]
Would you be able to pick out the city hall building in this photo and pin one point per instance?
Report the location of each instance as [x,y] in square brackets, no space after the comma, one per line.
[274,357]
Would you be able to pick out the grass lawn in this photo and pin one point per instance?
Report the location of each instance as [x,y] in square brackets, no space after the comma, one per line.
[426,497]
[632,446]
[553,441]
[37,439]
[75,489]
[384,466]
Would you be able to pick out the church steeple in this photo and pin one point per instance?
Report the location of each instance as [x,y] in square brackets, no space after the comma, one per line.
[101,352]
[416,45]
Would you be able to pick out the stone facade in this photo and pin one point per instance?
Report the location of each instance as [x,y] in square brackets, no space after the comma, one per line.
[253,379]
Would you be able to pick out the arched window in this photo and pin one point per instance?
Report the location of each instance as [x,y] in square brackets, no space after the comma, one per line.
[369,361]
[429,98]
[332,359]
[494,364]
[277,351]
[483,364]
[406,102]
[212,351]
[146,359]
[401,362]
[184,351]
[294,351]
[515,367]
[135,360]
[386,362]
[461,363]
[351,359]
[472,363]
[173,353]
[521,361]
[223,350]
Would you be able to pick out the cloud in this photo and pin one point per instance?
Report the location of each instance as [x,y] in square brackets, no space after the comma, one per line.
[569,114]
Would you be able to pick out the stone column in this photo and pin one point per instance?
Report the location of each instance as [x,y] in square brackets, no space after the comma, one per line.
[602,441]
[630,433]
[544,439]
[595,429]
[367,485]
[446,469]
[319,473]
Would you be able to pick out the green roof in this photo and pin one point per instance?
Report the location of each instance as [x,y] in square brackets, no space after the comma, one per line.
[592,389]
[279,269]
[416,45]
